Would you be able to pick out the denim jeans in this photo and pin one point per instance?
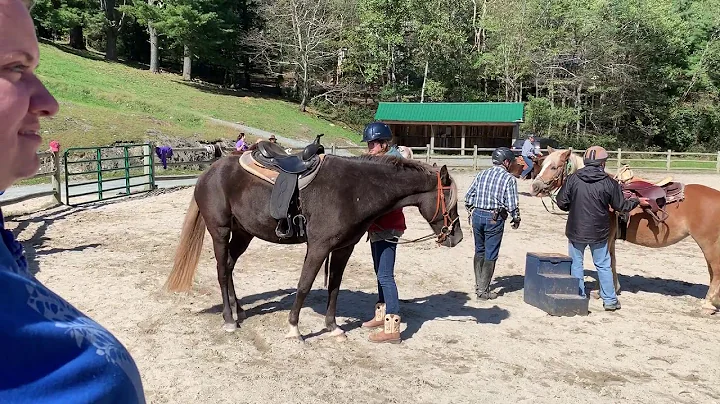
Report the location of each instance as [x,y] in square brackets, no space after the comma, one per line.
[529,168]
[601,258]
[488,234]
[383,253]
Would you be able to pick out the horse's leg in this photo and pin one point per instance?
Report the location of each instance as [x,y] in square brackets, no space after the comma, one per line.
[314,258]
[221,238]
[338,263]
[239,242]
[712,299]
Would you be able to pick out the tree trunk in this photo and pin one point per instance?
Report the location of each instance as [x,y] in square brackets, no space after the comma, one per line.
[153,49]
[187,63]
[111,33]
[77,39]
[422,92]
[246,71]
[111,46]
[305,87]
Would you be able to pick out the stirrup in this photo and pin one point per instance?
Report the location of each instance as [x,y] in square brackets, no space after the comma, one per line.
[279,233]
[300,221]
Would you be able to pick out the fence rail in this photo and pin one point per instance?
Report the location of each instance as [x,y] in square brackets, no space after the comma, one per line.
[467,157]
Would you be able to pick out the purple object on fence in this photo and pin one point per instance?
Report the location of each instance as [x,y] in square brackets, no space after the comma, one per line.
[164,152]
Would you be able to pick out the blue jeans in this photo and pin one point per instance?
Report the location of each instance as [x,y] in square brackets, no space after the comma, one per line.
[383,253]
[488,234]
[601,258]
[529,168]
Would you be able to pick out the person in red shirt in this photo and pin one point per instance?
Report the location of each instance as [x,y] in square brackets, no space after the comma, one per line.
[384,234]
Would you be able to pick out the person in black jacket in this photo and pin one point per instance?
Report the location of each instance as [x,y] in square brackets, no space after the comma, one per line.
[587,195]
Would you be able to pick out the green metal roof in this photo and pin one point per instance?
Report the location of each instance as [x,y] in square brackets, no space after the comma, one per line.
[450,112]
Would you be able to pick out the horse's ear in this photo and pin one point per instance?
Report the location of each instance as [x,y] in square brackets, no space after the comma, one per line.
[566,155]
[444,175]
[550,149]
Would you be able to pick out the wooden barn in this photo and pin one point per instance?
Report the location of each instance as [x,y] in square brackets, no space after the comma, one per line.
[453,124]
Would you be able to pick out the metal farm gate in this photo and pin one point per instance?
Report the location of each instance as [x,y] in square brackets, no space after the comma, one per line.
[103,170]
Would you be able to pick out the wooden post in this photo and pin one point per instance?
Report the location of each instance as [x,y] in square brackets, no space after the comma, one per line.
[619,157]
[432,138]
[57,181]
[717,165]
[332,149]
[462,141]
[667,164]
[427,153]
[475,157]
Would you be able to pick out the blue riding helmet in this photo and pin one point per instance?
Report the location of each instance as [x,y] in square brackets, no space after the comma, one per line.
[376,131]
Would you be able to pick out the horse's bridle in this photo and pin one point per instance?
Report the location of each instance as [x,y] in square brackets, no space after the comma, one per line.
[440,203]
[559,178]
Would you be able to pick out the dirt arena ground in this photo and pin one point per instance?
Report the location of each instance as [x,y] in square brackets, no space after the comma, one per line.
[112,260]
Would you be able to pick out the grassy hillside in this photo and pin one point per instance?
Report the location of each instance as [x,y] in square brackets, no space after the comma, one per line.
[103,102]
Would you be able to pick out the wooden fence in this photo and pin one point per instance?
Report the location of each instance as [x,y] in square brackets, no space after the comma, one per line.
[473,158]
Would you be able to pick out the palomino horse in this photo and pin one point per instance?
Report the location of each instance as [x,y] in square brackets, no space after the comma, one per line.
[696,216]
[340,203]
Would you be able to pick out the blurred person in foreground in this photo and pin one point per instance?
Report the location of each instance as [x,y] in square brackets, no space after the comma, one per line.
[49,351]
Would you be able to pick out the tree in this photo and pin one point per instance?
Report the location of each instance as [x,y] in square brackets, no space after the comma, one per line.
[297,37]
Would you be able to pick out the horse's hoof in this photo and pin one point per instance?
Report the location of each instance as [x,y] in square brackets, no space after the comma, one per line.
[338,334]
[230,327]
[294,333]
[595,294]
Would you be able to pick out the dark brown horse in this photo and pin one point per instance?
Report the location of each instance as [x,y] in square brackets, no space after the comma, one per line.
[696,215]
[341,202]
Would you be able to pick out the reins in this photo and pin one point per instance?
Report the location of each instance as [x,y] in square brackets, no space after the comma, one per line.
[448,223]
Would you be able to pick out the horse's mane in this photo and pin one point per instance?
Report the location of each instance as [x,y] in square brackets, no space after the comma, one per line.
[407,164]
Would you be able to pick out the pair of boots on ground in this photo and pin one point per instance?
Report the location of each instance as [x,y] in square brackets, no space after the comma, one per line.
[484,270]
[389,322]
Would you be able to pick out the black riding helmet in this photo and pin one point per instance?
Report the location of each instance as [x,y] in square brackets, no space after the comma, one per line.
[502,154]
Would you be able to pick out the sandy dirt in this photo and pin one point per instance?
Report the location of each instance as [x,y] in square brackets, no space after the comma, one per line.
[112,260]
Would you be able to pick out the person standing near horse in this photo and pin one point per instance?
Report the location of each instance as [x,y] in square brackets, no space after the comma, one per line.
[384,234]
[51,352]
[528,155]
[491,197]
[586,195]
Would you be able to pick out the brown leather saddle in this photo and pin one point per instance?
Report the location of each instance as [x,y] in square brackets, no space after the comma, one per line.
[659,194]
[288,174]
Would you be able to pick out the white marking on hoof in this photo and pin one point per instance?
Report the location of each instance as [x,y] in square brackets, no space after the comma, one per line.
[230,327]
[338,334]
[709,309]
[294,333]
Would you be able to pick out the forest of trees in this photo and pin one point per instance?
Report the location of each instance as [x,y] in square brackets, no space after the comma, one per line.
[622,73]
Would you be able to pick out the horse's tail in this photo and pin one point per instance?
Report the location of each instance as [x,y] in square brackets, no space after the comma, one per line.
[188,251]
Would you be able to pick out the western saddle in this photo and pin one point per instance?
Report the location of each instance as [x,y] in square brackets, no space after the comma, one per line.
[659,194]
[288,174]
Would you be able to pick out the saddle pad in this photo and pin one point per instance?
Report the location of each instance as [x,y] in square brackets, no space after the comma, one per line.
[248,163]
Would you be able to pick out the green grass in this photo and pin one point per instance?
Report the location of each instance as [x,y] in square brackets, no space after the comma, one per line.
[103,102]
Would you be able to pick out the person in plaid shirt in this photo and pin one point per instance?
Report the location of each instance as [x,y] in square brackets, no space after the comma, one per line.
[491,197]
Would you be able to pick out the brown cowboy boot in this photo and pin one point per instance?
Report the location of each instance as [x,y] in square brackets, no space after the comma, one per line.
[391,331]
[378,320]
